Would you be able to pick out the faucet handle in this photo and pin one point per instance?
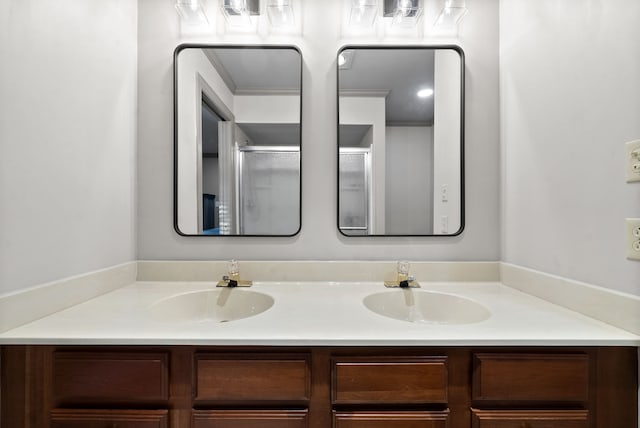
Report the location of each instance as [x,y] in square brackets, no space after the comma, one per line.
[233,278]
[234,270]
[402,268]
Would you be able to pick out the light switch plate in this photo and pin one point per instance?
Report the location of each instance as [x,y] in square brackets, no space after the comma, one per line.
[633,238]
[633,161]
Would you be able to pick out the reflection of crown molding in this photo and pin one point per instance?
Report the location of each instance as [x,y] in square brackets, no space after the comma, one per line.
[217,64]
[267,92]
[228,80]
[363,93]
[409,123]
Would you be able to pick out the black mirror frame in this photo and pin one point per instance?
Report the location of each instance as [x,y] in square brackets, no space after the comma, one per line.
[177,50]
[460,52]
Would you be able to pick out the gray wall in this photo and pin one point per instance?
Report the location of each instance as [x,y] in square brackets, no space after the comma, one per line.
[409,180]
[159,34]
[68,138]
[570,99]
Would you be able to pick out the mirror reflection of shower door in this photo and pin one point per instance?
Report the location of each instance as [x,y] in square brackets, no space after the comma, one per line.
[269,183]
[354,189]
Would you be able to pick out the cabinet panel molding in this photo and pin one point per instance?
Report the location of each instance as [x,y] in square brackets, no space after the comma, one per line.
[249,419]
[63,418]
[530,418]
[406,380]
[391,419]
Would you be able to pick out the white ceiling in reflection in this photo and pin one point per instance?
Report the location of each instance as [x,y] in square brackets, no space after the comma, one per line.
[401,73]
[257,70]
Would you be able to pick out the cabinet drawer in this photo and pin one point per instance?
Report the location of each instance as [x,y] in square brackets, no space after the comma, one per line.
[109,419]
[259,378]
[530,419]
[249,419]
[390,419]
[113,377]
[387,380]
[531,377]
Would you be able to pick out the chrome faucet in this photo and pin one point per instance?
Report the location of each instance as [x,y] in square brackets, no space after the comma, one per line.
[233,278]
[403,279]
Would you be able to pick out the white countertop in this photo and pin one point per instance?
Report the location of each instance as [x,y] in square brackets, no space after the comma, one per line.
[319,314]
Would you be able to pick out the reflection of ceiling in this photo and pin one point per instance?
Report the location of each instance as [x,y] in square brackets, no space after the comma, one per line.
[401,72]
[257,70]
[272,134]
[352,135]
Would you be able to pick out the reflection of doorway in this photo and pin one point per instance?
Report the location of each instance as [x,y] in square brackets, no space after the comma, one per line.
[210,168]
[216,187]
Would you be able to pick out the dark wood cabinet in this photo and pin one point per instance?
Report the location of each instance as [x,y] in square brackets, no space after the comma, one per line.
[317,387]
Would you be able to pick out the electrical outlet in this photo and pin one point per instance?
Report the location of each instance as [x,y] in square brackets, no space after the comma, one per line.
[633,161]
[633,238]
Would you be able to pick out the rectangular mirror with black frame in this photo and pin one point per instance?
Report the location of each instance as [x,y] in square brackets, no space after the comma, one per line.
[400,140]
[237,118]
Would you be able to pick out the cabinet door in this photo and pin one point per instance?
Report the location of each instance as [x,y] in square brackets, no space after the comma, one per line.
[548,378]
[249,419]
[99,378]
[390,419]
[256,378]
[530,419]
[109,418]
[389,380]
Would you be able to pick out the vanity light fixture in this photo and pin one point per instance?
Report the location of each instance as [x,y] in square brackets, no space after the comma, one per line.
[240,12]
[192,12]
[405,13]
[451,14]
[280,13]
[363,13]
[425,93]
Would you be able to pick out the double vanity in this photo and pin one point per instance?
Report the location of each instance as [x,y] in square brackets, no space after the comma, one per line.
[323,352]
[160,354]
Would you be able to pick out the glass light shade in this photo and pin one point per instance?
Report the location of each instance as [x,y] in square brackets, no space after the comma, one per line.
[280,13]
[451,14]
[405,13]
[192,12]
[239,12]
[363,13]
[407,17]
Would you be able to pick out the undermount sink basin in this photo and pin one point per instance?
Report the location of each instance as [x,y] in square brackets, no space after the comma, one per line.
[219,305]
[428,307]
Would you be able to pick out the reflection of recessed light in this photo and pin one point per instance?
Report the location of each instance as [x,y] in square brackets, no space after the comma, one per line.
[424,93]
[345,59]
